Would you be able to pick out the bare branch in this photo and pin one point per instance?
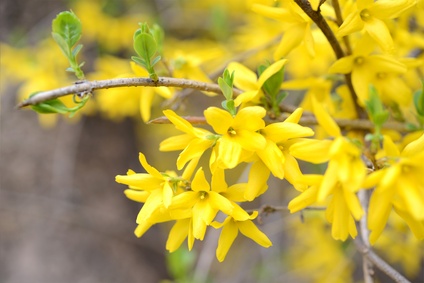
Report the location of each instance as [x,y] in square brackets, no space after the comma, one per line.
[89,86]
[379,262]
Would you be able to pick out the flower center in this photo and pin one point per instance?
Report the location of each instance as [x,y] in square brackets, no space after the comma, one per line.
[203,195]
[359,60]
[365,15]
[231,132]
[381,75]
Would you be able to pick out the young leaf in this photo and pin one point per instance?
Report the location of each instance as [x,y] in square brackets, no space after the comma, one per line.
[154,61]
[139,61]
[145,46]
[67,26]
[226,89]
[62,44]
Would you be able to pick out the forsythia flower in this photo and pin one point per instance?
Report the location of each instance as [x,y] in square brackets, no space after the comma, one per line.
[369,15]
[153,188]
[230,229]
[297,23]
[343,178]
[400,185]
[367,68]
[194,143]
[239,137]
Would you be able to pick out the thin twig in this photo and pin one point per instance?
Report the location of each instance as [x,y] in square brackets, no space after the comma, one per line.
[339,21]
[89,86]
[346,124]
[367,266]
[379,262]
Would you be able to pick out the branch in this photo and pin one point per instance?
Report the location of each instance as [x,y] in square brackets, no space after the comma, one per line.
[367,266]
[323,26]
[326,30]
[89,86]
[379,262]
[346,124]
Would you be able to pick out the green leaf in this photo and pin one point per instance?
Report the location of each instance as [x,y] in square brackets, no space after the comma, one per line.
[76,50]
[145,46]
[139,61]
[375,108]
[156,60]
[228,78]
[226,89]
[158,34]
[55,106]
[50,107]
[68,26]
[62,44]
[273,84]
[229,106]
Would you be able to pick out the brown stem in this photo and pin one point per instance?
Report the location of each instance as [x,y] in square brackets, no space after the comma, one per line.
[326,30]
[339,21]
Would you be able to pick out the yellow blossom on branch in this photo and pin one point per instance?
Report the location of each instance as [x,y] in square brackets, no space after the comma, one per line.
[399,185]
[369,16]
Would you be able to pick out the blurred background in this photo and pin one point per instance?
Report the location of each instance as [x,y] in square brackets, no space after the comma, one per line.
[62,216]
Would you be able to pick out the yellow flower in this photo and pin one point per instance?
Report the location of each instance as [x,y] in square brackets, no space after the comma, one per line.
[369,16]
[343,178]
[203,202]
[194,143]
[275,157]
[230,230]
[365,66]
[400,186]
[153,188]
[297,27]
[239,137]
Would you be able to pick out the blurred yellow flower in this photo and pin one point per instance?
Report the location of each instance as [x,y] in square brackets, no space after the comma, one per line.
[369,15]
[399,185]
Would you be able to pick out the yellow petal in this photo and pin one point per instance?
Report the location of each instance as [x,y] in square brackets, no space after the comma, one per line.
[291,39]
[228,235]
[324,119]
[150,169]
[199,182]
[244,78]
[258,177]
[219,119]
[303,200]
[295,116]
[311,150]
[179,123]
[273,158]
[271,70]
[250,118]
[146,99]
[351,24]
[249,229]
[343,65]
[378,30]
[177,235]
[175,143]
[139,196]
[220,202]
